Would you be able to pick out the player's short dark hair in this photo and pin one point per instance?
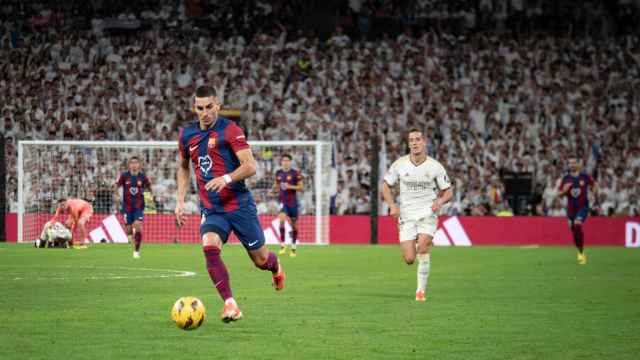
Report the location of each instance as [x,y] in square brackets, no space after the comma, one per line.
[61,200]
[134,158]
[286,156]
[205,91]
[412,130]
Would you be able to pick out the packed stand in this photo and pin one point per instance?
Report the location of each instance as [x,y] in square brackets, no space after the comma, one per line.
[490,102]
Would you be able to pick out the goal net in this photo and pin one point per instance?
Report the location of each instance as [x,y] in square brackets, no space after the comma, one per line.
[51,170]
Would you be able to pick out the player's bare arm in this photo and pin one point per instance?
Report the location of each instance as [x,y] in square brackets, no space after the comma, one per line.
[444,197]
[388,197]
[296,187]
[246,169]
[183,176]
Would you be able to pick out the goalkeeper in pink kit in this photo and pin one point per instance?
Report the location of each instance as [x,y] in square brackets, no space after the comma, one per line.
[78,214]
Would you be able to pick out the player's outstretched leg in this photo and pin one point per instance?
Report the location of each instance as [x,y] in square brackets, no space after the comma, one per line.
[267,260]
[283,245]
[294,240]
[220,277]
[137,236]
[578,239]
[424,265]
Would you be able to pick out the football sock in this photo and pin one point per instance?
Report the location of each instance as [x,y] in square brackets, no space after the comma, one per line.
[578,237]
[424,265]
[294,239]
[271,264]
[282,239]
[217,271]
[138,240]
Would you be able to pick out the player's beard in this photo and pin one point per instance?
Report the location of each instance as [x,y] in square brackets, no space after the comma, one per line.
[208,120]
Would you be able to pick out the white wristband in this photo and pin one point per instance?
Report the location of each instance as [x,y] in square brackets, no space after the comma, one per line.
[227,178]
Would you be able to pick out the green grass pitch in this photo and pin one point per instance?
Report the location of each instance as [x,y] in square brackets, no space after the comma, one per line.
[341,302]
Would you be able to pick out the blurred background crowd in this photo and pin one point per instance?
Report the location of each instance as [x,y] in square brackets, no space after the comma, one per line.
[499,87]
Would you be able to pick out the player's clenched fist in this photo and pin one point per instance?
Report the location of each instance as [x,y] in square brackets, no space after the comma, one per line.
[180,217]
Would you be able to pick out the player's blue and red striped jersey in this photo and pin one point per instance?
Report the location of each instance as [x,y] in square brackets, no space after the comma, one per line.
[212,153]
[578,195]
[133,187]
[291,177]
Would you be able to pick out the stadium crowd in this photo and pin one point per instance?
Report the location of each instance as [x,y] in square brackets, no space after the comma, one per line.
[491,101]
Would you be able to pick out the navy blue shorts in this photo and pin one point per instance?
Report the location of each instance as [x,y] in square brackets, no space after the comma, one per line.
[290,211]
[131,216]
[243,222]
[580,215]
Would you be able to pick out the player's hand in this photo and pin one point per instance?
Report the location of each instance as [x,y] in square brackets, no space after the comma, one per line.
[394,211]
[437,205]
[566,188]
[180,216]
[216,184]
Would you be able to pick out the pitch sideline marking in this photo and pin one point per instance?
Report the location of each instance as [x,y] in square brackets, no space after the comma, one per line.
[173,273]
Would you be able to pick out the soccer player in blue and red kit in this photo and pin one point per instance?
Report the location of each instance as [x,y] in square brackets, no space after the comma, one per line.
[133,184]
[222,159]
[288,182]
[575,186]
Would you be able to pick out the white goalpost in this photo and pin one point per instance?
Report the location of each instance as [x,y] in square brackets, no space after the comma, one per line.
[50,170]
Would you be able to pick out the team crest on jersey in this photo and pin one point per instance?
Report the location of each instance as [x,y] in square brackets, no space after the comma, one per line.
[575,192]
[212,142]
[204,162]
[133,190]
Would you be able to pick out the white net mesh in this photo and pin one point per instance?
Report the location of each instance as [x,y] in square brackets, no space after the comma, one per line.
[48,171]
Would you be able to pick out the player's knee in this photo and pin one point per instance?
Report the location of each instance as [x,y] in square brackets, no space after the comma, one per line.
[260,259]
[211,239]
[409,259]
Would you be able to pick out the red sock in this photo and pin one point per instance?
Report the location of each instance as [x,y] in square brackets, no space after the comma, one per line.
[137,240]
[217,271]
[271,264]
[282,234]
[294,236]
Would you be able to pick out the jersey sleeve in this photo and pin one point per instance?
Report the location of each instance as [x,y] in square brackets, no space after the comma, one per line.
[277,177]
[235,137]
[182,147]
[299,176]
[146,182]
[391,177]
[562,182]
[120,181]
[442,179]
[56,216]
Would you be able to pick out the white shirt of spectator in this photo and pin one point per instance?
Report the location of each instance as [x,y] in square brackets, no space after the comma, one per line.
[419,186]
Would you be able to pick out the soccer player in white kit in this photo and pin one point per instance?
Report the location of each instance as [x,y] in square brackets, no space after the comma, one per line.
[424,188]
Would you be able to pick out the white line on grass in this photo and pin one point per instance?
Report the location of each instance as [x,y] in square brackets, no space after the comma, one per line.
[165,273]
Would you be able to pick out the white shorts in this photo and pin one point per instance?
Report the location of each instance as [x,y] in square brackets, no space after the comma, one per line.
[409,229]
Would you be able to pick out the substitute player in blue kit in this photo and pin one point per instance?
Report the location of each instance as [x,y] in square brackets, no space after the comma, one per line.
[222,159]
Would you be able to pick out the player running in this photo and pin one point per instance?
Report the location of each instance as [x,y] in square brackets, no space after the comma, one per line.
[78,214]
[222,159]
[288,183]
[133,183]
[575,185]
[424,189]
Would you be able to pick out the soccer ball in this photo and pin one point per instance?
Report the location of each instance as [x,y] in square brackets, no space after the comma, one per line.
[188,313]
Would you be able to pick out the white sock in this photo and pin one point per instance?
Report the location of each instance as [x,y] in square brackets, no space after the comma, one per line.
[424,264]
[231,301]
